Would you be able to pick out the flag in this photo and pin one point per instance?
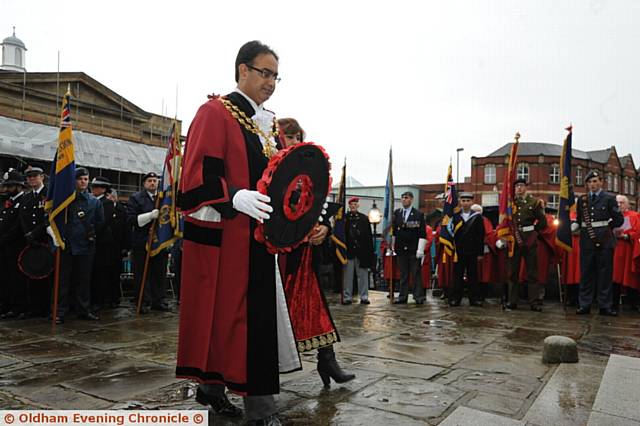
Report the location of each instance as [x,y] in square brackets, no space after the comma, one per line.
[169,224]
[339,233]
[505,226]
[62,181]
[389,199]
[451,219]
[567,199]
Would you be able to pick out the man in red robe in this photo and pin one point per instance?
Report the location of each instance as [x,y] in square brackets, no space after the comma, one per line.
[234,327]
[623,276]
[570,265]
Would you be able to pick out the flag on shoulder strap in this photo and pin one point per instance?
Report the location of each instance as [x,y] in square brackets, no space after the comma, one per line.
[169,224]
[567,199]
[389,199]
[339,232]
[62,181]
[451,219]
[505,229]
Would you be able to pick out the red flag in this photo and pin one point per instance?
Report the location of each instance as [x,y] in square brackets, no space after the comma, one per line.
[505,229]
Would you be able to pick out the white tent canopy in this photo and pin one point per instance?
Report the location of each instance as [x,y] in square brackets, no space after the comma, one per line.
[30,140]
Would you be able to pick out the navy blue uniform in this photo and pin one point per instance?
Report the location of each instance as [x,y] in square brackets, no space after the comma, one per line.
[407,232]
[13,291]
[155,286]
[469,245]
[597,215]
[85,215]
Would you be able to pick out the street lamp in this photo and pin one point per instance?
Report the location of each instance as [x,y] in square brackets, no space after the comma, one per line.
[374,218]
[458,165]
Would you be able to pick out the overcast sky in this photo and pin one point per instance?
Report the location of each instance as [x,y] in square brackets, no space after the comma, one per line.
[426,77]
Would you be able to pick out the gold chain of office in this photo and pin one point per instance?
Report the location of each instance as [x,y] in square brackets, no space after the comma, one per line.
[248,123]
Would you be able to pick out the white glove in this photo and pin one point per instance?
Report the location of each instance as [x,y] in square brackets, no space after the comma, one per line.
[53,236]
[500,244]
[145,218]
[574,226]
[253,204]
[422,243]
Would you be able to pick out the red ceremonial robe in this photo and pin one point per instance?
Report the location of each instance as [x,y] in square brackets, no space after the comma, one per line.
[570,261]
[228,318]
[487,265]
[390,264]
[426,263]
[623,254]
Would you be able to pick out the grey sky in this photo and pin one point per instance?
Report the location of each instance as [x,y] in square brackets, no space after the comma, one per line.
[426,77]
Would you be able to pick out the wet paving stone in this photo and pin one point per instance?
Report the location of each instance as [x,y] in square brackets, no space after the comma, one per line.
[525,365]
[44,351]
[6,361]
[317,413]
[16,336]
[387,366]
[107,339]
[58,397]
[509,385]
[161,350]
[10,402]
[413,397]
[124,382]
[310,386]
[498,404]
[568,396]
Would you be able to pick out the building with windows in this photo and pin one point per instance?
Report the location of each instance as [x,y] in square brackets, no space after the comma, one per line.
[112,136]
[539,164]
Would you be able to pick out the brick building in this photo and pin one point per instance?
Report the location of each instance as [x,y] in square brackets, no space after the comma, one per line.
[539,163]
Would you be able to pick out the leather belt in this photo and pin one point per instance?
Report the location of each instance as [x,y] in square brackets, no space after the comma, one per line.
[598,224]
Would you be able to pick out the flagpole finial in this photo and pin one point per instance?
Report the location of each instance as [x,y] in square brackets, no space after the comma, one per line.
[569,128]
[69,89]
[517,137]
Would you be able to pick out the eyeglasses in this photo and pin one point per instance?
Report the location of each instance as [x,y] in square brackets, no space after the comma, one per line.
[265,73]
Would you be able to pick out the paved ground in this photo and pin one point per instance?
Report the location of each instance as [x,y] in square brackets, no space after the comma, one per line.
[414,364]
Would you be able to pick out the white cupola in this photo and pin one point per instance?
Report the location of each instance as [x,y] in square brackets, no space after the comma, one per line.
[13,53]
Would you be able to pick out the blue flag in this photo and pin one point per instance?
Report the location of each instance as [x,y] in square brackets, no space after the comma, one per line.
[387,219]
[169,223]
[62,183]
[339,234]
[567,199]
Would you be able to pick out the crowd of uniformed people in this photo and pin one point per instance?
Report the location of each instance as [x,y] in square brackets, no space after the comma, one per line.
[102,244]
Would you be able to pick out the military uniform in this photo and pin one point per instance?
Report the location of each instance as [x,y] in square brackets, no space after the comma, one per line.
[408,228]
[469,241]
[597,214]
[529,219]
[155,287]
[11,244]
[33,221]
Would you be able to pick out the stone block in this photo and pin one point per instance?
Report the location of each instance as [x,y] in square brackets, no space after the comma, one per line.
[559,349]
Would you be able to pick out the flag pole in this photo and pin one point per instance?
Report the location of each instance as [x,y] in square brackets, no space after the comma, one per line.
[56,287]
[145,271]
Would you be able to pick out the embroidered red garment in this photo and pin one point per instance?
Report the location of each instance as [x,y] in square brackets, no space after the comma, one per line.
[312,325]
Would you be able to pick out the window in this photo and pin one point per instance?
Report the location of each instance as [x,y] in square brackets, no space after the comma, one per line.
[490,199]
[626,185]
[616,184]
[523,171]
[554,176]
[632,187]
[609,182]
[490,173]
[553,201]
[18,57]
[579,177]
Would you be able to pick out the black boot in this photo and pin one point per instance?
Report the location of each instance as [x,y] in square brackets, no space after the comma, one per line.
[328,367]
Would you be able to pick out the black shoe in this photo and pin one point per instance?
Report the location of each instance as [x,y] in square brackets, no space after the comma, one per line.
[454,303]
[59,320]
[420,302]
[272,420]
[163,307]
[89,316]
[510,307]
[328,367]
[347,302]
[536,308]
[477,303]
[219,404]
[609,312]
[365,302]
[400,302]
[9,315]
[582,311]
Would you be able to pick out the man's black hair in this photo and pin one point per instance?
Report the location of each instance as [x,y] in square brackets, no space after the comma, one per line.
[249,51]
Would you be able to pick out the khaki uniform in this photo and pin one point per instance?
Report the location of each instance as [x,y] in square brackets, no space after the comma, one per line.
[529,219]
